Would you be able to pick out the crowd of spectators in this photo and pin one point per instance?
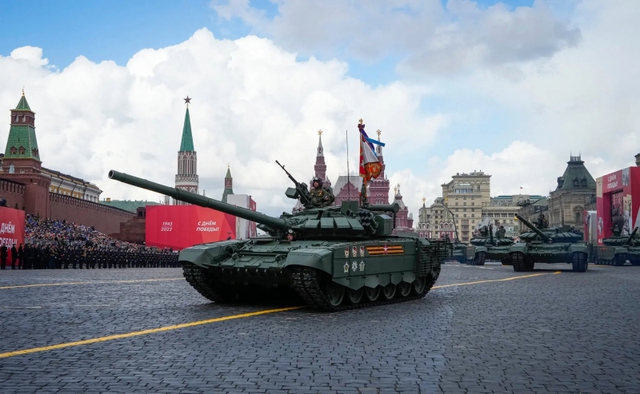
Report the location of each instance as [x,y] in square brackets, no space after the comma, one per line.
[59,244]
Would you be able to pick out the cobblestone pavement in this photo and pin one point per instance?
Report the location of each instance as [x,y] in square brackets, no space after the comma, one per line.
[474,333]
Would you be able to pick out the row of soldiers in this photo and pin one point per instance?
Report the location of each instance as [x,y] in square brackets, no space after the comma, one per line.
[60,256]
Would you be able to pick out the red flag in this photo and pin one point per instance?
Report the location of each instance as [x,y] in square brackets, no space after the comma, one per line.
[370,166]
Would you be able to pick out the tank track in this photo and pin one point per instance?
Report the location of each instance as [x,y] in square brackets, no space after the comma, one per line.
[579,262]
[198,280]
[478,259]
[306,282]
[520,263]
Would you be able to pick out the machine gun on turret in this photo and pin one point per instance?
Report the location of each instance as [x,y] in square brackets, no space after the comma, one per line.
[301,191]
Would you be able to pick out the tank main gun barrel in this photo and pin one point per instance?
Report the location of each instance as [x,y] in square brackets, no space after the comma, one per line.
[633,234]
[202,201]
[536,230]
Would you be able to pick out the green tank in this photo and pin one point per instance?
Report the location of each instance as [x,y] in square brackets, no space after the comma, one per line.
[618,249]
[462,253]
[333,258]
[497,247]
[549,245]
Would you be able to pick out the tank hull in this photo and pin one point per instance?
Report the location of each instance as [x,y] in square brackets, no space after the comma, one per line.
[325,274]
[499,253]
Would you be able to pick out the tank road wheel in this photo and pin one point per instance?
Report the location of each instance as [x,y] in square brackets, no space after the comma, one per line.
[372,294]
[579,262]
[404,288]
[419,285]
[389,291]
[334,293]
[355,296]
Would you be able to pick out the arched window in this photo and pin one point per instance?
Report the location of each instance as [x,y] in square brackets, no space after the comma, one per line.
[578,213]
[13,150]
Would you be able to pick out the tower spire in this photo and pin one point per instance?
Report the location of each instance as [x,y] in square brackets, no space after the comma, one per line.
[187,176]
[228,184]
[320,168]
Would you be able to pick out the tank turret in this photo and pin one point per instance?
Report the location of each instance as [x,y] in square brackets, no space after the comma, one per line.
[533,228]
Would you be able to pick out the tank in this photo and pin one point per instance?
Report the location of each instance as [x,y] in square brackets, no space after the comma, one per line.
[333,258]
[548,245]
[462,253]
[618,249]
[495,248]
[477,250]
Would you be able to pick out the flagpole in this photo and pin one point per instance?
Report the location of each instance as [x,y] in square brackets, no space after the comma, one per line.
[346,138]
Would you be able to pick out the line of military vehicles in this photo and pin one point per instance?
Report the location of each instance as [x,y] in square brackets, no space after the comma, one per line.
[541,244]
[335,258]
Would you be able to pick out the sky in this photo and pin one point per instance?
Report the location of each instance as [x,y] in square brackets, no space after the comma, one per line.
[512,88]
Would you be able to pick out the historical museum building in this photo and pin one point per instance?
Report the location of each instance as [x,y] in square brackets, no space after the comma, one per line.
[27,185]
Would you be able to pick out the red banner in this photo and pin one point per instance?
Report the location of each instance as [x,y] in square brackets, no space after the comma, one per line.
[180,226]
[11,228]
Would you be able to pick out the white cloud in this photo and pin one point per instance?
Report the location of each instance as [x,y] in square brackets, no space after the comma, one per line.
[32,55]
[430,37]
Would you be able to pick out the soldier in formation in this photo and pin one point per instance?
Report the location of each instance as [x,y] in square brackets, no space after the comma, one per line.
[55,244]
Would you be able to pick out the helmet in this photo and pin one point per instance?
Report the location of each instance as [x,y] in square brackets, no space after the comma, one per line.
[316,179]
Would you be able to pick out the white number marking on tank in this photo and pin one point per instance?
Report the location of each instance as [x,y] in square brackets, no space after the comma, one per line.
[346,267]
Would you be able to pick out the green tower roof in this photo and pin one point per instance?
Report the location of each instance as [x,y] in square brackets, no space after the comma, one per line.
[23,105]
[576,176]
[187,139]
[22,142]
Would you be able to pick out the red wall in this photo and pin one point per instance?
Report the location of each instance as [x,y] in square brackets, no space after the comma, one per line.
[618,192]
[181,226]
[102,217]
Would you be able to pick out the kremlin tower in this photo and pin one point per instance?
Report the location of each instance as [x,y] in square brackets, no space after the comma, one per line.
[228,185]
[320,168]
[187,176]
